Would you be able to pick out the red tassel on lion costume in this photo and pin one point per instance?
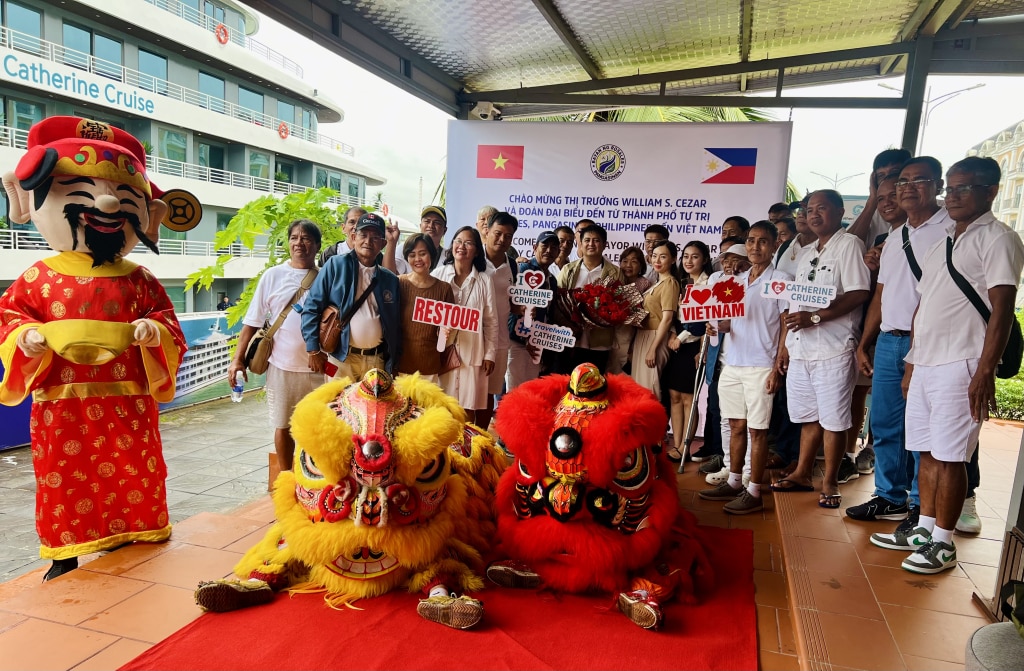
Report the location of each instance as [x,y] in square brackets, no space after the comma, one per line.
[590,503]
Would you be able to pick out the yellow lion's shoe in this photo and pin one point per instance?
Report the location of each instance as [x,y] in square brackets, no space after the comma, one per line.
[221,596]
[458,612]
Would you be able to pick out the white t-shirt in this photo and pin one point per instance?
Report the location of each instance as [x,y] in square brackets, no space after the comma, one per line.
[274,292]
[501,277]
[755,337]
[899,292]
[401,266]
[366,330]
[948,327]
[840,263]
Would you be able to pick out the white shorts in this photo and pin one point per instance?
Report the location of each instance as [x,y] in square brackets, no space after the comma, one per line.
[284,390]
[938,416]
[741,395]
[496,380]
[822,391]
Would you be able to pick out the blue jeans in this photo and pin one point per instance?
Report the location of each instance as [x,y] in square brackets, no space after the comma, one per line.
[895,467]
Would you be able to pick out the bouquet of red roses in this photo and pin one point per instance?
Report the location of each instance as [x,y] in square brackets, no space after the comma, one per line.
[604,304]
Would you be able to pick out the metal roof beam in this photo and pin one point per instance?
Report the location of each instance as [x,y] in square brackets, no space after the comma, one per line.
[602,101]
[694,73]
[746,28]
[340,29]
[564,31]
[943,10]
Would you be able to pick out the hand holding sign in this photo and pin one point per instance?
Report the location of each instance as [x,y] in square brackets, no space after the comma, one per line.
[527,292]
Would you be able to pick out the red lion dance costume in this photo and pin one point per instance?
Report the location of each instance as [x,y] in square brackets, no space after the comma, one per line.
[590,504]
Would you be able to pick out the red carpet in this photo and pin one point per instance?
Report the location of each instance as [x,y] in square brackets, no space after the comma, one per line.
[521,629]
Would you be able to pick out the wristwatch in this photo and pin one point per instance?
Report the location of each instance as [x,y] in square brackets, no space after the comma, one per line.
[815,318]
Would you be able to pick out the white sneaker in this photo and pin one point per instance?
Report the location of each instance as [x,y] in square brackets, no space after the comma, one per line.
[715,479]
[969,523]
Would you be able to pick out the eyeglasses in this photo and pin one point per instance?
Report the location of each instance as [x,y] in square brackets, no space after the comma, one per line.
[964,189]
[814,269]
[917,182]
[463,243]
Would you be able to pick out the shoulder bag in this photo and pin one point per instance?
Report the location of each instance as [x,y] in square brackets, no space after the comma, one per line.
[257,353]
[332,321]
[1009,363]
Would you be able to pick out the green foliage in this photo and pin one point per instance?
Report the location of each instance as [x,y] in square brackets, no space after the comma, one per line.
[1010,393]
[264,223]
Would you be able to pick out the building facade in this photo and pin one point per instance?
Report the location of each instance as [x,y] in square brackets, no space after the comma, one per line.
[1007,148]
[222,115]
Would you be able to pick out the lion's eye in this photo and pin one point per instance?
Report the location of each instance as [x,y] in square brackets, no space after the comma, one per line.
[634,470]
[309,468]
[522,469]
[433,471]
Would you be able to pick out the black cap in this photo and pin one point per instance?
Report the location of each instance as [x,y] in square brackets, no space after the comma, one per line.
[371,220]
[546,236]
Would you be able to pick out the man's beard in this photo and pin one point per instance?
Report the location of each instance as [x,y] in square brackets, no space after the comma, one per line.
[104,247]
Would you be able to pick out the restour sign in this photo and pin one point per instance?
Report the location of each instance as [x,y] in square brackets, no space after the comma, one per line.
[801,293]
[24,69]
[451,315]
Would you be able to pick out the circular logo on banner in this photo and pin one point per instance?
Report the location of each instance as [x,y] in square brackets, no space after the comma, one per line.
[607,162]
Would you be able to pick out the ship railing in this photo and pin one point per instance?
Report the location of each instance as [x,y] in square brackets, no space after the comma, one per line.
[58,53]
[195,17]
[18,139]
[28,240]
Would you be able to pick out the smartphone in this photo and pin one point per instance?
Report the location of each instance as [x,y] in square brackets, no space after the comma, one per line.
[330,368]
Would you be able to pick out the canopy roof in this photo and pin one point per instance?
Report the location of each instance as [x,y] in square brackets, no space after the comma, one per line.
[529,57]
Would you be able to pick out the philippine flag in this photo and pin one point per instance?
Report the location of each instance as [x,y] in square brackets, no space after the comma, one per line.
[729,166]
[499,161]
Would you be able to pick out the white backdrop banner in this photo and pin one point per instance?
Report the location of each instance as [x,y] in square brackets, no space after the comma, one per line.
[688,177]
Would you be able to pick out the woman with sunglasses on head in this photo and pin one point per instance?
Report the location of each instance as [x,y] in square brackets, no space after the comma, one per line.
[463,267]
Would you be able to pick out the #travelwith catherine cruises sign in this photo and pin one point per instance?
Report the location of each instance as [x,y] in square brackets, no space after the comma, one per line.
[688,177]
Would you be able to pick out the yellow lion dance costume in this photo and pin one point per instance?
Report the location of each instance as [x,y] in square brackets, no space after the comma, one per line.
[391,488]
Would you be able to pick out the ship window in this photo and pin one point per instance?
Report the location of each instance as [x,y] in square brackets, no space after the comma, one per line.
[23,115]
[28,21]
[154,72]
[286,111]
[80,43]
[109,54]
[251,100]
[213,88]
[321,178]
[176,292]
[76,46]
[259,164]
[353,187]
[172,144]
[307,119]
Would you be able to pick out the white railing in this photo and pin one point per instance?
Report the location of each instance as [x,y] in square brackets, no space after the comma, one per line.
[11,239]
[57,53]
[17,138]
[191,15]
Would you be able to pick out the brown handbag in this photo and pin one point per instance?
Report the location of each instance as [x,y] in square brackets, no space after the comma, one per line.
[332,322]
[450,359]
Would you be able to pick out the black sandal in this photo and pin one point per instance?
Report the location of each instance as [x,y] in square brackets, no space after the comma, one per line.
[674,459]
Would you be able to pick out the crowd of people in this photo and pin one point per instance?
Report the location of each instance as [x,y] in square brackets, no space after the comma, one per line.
[786,383]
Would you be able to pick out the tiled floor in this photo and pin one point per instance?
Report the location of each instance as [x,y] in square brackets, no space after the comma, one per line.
[825,596]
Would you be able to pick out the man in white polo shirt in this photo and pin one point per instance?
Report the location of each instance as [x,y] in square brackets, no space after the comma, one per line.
[887,328]
[822,371]
[950,369]
[750,378]
[501,227]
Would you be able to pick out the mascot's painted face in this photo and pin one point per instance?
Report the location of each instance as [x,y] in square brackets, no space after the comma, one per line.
[383,472]
[588,498]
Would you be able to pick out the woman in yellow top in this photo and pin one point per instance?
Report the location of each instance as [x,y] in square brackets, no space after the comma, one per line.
[650,350]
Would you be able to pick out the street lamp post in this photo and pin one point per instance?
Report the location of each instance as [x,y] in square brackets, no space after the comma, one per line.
[929,105]
[836,181]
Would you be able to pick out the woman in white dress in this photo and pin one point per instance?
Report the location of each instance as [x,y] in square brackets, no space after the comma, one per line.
[463,268]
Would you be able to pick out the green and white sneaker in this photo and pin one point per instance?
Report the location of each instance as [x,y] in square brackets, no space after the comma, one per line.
[934,557]
[903,538]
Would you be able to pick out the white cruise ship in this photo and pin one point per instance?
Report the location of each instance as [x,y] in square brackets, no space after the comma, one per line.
[226,117]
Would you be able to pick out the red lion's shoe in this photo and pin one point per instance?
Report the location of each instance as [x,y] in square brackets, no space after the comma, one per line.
[512,573]
[641,608]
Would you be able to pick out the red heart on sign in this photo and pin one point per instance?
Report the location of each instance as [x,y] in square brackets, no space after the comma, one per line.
[778,287]
[700,295]
[533,278]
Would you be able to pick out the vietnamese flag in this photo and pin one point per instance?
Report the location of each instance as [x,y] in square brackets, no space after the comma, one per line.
[499,161]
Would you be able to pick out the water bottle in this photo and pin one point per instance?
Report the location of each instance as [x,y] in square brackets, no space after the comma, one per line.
[237,388]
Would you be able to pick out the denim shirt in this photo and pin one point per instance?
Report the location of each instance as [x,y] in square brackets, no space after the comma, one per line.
[337,285]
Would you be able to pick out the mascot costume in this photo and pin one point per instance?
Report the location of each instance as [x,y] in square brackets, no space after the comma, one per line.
[589,503]
[391,489]
[93,336]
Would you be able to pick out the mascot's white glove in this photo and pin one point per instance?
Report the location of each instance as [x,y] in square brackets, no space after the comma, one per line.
[147,334]
[32,343]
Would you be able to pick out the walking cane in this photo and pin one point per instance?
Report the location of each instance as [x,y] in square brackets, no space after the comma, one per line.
[691,421]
